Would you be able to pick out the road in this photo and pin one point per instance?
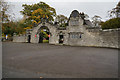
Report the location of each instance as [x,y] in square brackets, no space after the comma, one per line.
[27,60]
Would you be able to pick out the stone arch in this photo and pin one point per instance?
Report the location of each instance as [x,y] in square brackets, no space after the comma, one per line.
[35,33]
[44,27]
[49,26]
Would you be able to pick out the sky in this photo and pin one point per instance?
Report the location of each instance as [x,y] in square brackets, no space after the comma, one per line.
[65,7]
[62,0]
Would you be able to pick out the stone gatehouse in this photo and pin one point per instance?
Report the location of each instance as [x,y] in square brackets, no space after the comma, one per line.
[79,32]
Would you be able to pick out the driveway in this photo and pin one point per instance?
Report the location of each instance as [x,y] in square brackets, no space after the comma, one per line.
[27,60]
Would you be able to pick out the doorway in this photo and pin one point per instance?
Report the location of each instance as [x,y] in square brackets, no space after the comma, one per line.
[61,39]
[44,34]
[40,37]
[29,38]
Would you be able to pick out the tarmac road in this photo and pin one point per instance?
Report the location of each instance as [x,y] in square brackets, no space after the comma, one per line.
[27,60]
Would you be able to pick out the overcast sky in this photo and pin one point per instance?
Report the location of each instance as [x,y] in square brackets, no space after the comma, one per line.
[65,7]
[63,0]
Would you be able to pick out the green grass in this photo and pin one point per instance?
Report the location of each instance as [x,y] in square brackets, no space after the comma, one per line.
[45,41]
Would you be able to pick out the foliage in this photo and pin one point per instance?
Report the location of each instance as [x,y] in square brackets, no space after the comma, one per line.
[45,41]
[20,28]
[96,20]
[8,28]
[45,35]
[4,9]
[37,15]
[62,20]
[36,12]
[115,12]
[14,27]
[111,24]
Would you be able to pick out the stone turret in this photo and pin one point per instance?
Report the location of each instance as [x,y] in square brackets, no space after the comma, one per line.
[75,19]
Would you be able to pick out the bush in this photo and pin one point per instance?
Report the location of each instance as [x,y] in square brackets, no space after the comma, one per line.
[111,24]
[45,41]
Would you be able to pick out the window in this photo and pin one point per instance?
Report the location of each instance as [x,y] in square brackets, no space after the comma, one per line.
[75,35]
[74,23]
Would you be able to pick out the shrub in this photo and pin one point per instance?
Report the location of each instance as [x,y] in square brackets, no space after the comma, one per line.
[45,41]
[111,24]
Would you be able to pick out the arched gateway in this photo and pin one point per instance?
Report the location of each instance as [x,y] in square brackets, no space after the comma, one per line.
[36,36]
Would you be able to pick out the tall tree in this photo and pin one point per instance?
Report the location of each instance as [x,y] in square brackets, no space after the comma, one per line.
[96,20]
[4,11]
[115,12]
[62,20]
[37,12]
[4,17]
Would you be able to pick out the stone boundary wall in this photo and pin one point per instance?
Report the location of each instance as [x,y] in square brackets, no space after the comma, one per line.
[107,38]
[97,38]
[110,38]
[91,37]
[19,39]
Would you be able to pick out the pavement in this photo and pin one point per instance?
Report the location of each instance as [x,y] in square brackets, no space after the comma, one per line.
[27,60]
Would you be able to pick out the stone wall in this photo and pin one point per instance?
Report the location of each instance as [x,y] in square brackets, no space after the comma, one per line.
[19,38]
[99,38]
[109,38]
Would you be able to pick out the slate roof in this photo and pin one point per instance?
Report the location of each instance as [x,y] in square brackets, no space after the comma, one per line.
[74,14]
[87,22]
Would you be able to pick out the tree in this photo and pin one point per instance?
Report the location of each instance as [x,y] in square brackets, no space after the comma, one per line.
[96,20]
[14,27]
[62,20]
[38,12]
[115,12]
[111,24]
[4,9]
[20,27]
[8,28]
[118,10]
[38,15]
[4,17]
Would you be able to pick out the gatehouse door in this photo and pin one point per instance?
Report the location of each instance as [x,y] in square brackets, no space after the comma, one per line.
[29,38]
[61,39]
